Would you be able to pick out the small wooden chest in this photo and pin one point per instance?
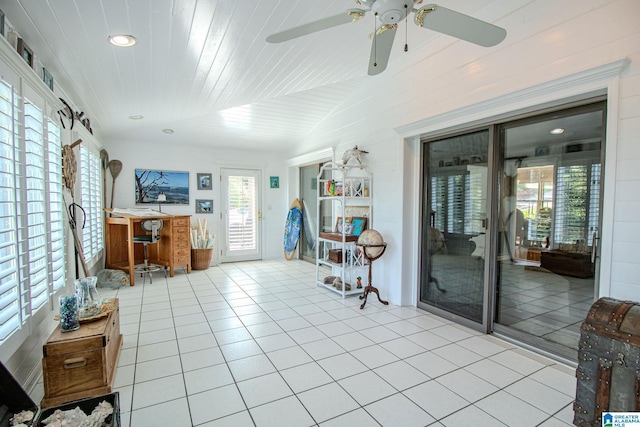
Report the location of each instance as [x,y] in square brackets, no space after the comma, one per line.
[81,363]
[608,362]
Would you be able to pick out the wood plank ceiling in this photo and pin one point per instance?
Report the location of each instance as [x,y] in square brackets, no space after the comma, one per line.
[203,68]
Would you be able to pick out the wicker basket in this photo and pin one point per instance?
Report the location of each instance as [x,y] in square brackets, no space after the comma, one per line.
[201,258]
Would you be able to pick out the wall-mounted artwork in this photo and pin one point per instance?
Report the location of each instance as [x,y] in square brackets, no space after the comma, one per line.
[150,183]
[205,181]
[274,181]
[204,206]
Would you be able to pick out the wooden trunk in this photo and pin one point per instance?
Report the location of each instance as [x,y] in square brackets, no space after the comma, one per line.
[608,374]
[81,363]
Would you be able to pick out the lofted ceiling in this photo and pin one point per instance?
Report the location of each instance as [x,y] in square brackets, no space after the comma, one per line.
[203,68]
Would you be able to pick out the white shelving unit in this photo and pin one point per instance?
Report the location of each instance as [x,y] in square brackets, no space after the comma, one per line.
[348,192]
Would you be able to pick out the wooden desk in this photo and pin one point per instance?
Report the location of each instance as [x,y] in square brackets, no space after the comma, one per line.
[173,249]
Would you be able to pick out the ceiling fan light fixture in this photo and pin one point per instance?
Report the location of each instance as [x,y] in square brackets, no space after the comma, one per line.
[122,40]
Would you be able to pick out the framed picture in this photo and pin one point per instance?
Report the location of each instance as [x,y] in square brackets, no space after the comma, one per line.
[343,224]
[205,181]
[25,52]
[274,181]
[150,183]
[359,224]
[47,78]
[204,206]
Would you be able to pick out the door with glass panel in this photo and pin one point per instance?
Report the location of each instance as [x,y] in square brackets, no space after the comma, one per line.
[454,224]
[240,215]
[550,200]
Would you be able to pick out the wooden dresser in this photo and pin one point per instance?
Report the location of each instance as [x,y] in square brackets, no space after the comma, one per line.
[81,363]
[172,250]
[181,248]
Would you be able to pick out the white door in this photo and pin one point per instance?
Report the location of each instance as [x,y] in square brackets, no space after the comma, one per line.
[240,215]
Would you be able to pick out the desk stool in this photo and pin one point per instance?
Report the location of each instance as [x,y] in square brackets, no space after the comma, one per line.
[153,226]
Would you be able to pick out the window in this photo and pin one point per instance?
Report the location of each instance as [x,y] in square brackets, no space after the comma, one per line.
[32,258]
[91,184]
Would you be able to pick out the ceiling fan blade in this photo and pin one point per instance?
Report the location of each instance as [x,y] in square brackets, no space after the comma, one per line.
[381,48]
[456,24]
[352,15]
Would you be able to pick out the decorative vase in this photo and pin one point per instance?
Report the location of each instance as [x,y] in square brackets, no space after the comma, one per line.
[89,303]
[69,320]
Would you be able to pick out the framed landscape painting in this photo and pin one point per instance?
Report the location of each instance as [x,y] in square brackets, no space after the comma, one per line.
[150,183]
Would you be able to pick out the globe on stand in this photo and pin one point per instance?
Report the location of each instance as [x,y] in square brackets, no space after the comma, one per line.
[372,246]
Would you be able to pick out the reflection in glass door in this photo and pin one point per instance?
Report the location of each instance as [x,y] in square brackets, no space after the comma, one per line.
[454,224]
[550,198]
[309,198]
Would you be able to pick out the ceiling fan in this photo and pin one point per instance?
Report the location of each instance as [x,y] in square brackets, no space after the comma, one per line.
[389,13]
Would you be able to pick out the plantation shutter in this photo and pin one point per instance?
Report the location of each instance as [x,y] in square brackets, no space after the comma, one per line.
[32,215]
[455,203]
[242,216]
[438,198]
[92,234]
[594,201]
[10,316]
[577,203]
[56,206]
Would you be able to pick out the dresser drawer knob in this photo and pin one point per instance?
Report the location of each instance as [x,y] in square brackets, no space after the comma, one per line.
[76,362]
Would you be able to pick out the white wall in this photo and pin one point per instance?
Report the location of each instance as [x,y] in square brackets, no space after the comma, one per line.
[177,155]
[547,40]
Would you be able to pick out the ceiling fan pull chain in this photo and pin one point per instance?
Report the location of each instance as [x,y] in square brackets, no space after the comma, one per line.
[375,49]
[406,31]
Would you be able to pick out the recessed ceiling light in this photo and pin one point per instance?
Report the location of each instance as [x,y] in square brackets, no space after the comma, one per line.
[168,130]
[136,117]
[557,131]
[122,40]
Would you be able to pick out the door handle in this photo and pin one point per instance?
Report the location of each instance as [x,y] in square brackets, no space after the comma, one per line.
[594,245]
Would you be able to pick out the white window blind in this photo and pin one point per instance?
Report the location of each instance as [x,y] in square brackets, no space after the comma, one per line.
[91,185]
[242,213]
[32,265]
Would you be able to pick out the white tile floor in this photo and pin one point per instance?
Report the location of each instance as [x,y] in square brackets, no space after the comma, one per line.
[259,344]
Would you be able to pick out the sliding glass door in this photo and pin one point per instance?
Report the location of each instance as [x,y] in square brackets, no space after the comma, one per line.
[510,225]
[549,220]
[454,224]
